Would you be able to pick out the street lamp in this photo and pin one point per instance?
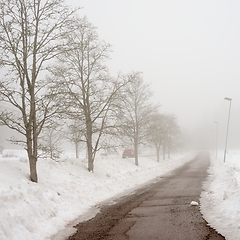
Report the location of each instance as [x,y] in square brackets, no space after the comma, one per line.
[216,138]
[230,101]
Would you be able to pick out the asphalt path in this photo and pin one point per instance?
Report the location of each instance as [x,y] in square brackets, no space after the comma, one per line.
[163,209]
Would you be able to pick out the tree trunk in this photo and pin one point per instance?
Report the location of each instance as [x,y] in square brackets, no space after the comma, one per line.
[164,151]
[34,177]
[33,168]
[90,157]
[32,158]
[32,161]
[89,144]
[76,150]
[136,154]
[158,153]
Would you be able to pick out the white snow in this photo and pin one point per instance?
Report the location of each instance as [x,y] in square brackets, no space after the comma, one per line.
[68,193]
[220,200]
[194,203]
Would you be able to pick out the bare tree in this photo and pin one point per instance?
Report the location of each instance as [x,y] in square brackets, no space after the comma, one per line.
[50,143]
[134,111]
[171,134]
[84,81]
[156,132]
[75,134]
[31,34]
[163,131]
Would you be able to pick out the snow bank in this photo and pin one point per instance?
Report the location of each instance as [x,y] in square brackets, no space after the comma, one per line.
[220,201]
[66,190]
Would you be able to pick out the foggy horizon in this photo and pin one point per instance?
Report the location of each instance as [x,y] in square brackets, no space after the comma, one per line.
[188,52]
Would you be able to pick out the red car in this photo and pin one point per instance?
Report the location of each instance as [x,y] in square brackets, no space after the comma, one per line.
[128,153]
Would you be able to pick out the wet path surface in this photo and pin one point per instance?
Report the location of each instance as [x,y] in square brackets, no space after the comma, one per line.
[161,210]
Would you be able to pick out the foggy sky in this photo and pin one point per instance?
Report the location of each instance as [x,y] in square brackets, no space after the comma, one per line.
[188,50]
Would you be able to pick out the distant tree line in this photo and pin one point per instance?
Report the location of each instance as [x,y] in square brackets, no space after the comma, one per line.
[56,79]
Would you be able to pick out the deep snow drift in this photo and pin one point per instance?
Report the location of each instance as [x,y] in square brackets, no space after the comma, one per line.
[66,191]
[220,200]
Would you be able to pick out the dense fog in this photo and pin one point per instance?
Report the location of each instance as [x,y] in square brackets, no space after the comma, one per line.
[188,51]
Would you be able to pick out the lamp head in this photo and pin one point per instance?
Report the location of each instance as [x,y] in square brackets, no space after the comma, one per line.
[229,99]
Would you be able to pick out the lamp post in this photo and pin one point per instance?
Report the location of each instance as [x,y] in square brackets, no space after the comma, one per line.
[216,138]
[230,101]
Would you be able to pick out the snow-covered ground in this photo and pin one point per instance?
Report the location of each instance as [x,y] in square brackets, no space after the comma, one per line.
[67,192]
[220,200]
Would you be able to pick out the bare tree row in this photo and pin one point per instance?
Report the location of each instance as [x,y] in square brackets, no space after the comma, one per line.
[54,73]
